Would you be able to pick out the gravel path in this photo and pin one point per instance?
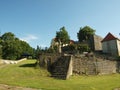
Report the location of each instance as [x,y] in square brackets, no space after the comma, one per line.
[7,87]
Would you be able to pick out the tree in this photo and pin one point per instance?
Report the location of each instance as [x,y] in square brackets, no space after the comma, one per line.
[0,48]
[63,36]
[8,43]
[13,48]
[85,33]
[8,36]
[27,50]
[37,52]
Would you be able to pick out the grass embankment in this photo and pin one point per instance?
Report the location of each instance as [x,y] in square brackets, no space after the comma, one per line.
[24,74]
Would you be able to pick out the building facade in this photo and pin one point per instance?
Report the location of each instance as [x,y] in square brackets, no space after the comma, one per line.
[95,43]
[111,45]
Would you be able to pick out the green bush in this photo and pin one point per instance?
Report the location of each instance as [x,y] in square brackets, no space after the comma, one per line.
[83,48]
[69,48]
[76,47]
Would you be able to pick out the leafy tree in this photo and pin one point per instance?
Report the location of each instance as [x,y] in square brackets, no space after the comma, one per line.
[13,48]
[84,33]
[8,36]
[69,49]
[83,48]
[63,36]
[37,51]
[0,48]
[27,50]
[8,42]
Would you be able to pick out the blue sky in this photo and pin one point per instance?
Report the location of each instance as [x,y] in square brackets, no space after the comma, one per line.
[36,21]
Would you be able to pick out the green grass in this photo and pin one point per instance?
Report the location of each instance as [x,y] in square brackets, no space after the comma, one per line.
[24,74]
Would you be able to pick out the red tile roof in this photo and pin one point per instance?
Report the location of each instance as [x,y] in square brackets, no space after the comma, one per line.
[109,37]
[72,41]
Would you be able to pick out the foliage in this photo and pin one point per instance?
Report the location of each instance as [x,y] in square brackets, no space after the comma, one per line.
[37,51]
[0,49]
[63,36]
[13,48]
[83,48]
[53,49]
[84,33]
[25,75]
[70,48]
[9,36]
[74,48]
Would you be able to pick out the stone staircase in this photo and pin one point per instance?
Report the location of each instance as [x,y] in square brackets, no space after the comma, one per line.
[60,68]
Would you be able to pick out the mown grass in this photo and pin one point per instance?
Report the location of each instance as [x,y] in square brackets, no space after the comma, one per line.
[24,74]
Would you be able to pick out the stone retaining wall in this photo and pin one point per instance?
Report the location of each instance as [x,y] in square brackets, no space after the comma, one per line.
[62,65]
[92,66]
[58,65]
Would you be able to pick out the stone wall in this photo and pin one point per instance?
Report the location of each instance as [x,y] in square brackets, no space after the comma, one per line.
[62,66]
[93,66]
[95,43]
[46,60]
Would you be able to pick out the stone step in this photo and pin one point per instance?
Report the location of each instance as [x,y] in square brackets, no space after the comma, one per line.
[59,76]
[60,66]
[56,71]
[59,73]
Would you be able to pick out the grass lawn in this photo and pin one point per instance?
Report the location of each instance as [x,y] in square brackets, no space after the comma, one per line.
[24,74]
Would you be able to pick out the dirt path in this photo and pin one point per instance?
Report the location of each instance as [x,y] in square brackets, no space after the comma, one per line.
[7,87]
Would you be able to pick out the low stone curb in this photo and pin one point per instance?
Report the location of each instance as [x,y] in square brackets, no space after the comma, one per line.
[11,61]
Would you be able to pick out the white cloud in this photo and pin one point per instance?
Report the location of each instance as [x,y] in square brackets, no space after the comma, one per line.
[28,38]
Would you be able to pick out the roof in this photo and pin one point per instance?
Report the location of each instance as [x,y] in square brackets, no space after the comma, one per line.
[72,41]
[109,37]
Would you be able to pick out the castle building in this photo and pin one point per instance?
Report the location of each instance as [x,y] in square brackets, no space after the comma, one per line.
[111,45]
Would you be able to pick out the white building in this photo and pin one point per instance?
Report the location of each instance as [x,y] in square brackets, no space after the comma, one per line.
[111,45]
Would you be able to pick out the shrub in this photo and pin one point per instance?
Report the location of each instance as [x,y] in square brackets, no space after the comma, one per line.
[69,48]
[83,48]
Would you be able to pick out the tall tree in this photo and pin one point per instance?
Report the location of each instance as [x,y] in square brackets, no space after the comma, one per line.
[37,51]
[0,48]
[13,48]
[8,36]
[27,50]
[63,36]
[7,45]
[84,33]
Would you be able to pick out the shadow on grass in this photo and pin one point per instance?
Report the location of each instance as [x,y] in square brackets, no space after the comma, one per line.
[28,65]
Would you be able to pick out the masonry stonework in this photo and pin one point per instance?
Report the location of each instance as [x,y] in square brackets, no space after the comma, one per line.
[63,66]
[92,66]
[95,43]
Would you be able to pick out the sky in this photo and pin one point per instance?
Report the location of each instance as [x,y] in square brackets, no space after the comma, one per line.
[36,21]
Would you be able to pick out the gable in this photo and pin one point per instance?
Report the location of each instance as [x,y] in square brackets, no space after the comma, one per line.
[109,37]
